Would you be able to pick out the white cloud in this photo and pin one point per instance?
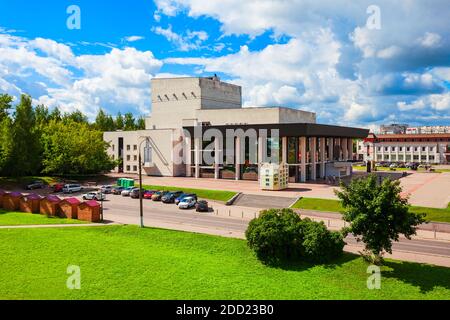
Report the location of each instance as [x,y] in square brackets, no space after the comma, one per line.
[430,40]
[133,38]
[191,41]
[45,69]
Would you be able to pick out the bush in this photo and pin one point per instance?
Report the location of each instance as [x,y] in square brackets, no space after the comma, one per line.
[280,235]
[274,235]
[320,244]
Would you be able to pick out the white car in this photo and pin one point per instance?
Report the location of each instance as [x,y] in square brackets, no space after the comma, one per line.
[106,189]
[126,192]
[69,188]
[187,203]
[99,196]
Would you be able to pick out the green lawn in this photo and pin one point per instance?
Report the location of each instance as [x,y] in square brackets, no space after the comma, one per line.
[126,262]
[432,214]
[218,195]
[21,218]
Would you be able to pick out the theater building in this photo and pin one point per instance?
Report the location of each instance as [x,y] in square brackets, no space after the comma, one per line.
[196,119]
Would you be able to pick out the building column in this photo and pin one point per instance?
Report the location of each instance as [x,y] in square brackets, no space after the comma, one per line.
[197,156]
[344,149]
[260,154]
[428,154]
[312,150]
[322,156]
[331,149]
[303,162]
[420,154]
[188,156]
[350,149]
[390,153]
[404,153]
[284,146]
[217,157]
[412,153]
[238,161]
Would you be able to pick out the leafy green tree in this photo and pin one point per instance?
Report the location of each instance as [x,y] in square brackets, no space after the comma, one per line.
[24,158]
[76,116]
[6,144]
[129,122]
[119,123]
[104,122]
[378,214]
[42,115]
[55,114]
[140,125]
[74,148]
[5,105]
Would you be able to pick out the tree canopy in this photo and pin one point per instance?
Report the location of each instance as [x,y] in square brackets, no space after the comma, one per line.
[378,214]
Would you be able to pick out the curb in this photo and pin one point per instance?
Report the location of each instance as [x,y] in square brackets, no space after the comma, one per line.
[295,201]
[233,199]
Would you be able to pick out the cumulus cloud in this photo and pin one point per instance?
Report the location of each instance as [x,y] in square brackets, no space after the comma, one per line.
[55,76]
[192,40]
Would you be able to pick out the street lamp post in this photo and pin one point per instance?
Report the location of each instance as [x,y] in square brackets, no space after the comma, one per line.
[141,204]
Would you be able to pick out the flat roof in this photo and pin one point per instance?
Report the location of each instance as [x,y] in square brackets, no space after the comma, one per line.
[294,129]
[412,136]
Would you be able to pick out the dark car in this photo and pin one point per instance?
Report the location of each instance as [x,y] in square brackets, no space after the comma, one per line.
[149,193]
[158,195]
[171,196]
[202,206]
[135,193]
[117,190]
[35,185]
[185,195]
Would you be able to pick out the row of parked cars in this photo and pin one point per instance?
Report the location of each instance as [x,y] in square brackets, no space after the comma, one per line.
[409,165]
[181,199]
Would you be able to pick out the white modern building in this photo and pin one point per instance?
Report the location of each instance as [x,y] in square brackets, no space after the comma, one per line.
[422,148]
[186,110]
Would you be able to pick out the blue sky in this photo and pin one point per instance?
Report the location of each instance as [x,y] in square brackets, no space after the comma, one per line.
[330,57]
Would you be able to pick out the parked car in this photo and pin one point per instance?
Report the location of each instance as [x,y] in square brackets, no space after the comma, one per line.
[58,187]
[171,196]
[393,165]
[185,195]
[106,189]
[70,188]
[35,185]
[126,192]
[202,206]
[158,195]
[148,194]
[135,193]
[187,203]
[94,195]
[117,190]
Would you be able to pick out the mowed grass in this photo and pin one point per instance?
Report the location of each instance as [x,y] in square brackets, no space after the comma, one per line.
[432,214]
[126,262]
[21,218]
[218,195]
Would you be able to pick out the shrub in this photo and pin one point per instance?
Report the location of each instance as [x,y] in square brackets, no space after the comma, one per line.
[274,235]
[319,244]
[280,235]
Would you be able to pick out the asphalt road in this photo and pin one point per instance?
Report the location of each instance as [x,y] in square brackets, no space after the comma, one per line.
[126,210]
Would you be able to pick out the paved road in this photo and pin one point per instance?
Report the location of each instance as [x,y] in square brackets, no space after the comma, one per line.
[265,202]
[126,210]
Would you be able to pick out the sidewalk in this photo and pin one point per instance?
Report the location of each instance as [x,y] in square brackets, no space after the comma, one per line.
[33,226]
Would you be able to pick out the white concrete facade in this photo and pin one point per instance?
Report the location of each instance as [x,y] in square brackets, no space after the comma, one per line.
[186,102]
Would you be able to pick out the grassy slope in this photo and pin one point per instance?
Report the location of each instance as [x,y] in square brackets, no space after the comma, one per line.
[432,214]
[125,262]
[20,218]
[218,195]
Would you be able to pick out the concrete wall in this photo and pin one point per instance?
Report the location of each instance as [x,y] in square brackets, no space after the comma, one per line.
[255,116]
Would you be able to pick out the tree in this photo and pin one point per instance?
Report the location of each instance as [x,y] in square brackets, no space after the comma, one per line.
[76,116]
[74,148]
[24,158]
[119,121]
[140,125]
[378,214]
[55,114]
[104,122]
[129,122]
[5,105]
[6,144]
